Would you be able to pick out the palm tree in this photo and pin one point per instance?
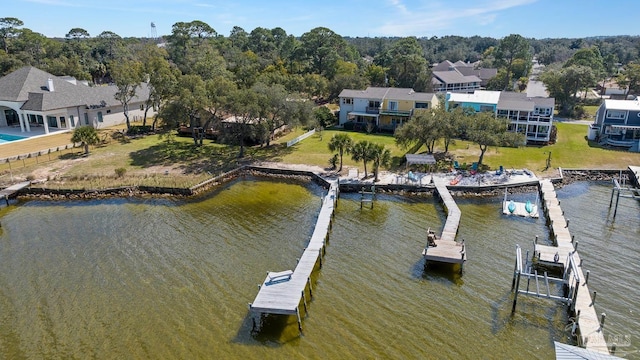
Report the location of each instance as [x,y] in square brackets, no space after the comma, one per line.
[86,135]
[381,157]
[342,144]
[362,151]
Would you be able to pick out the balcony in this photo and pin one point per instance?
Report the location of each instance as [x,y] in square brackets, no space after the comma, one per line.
[372,110]
[396,112]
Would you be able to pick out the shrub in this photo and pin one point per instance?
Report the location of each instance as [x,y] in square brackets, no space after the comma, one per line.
[120,172]
[138,130]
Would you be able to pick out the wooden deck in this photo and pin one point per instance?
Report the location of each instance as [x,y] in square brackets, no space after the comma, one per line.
[283,295]
[447,249]
[12,190]
[591,336]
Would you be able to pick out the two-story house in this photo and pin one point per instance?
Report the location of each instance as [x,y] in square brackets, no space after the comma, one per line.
[617,123]
[383,108]
[532,116]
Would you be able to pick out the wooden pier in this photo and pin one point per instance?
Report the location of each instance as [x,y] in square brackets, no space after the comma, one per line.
[447,250]
[565,254]
[12,190]
[282,292]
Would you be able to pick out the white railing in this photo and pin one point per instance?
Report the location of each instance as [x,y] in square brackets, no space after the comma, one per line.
[300,138]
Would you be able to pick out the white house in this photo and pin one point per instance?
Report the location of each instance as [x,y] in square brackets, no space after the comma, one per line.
[30,97]
[532,116]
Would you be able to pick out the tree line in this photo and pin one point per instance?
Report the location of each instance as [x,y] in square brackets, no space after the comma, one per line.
[197,76]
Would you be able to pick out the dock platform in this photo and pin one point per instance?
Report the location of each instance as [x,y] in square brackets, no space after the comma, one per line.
[12,190]
[447,249]
[282,292]
[589,324]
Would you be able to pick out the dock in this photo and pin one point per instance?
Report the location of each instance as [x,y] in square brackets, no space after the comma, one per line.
[12,190]
[564,254]
[282,292]
[528,209]
[447,250]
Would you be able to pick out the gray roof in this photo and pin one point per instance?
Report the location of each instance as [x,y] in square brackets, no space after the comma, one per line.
[520,101]
[455,77]
[30,85]
[443,66]
[483,74]
[387,93]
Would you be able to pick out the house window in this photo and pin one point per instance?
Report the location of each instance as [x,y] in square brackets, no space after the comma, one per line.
[616,114]
[86,118]
[52,121]
[347,101]
[542,111]
[374,104]
[141,107]
[422,105]
[99,116]
[63,122]
[393,105]
[72,121]
[486,108]
[12,117]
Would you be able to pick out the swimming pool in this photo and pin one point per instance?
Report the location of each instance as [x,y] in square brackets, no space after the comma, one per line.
[5,138]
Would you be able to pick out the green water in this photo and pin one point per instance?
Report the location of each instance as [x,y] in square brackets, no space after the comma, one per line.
[165,278]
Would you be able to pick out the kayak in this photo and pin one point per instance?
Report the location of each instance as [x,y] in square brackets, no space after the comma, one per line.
[528,207]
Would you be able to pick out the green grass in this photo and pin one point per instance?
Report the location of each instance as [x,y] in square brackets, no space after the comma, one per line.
[147,159]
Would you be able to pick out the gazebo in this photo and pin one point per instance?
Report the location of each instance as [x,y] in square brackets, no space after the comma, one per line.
[420,159]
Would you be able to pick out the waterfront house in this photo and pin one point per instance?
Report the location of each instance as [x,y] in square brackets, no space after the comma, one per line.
[33,99]
[532,116]
[384,108]
[617,123]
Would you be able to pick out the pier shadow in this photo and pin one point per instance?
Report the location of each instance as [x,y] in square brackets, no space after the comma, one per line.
[535,313]
[441,272]
[273,331]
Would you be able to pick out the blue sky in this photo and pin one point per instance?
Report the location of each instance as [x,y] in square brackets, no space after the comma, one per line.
[494,18]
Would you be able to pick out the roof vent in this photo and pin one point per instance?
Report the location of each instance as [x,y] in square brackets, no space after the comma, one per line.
[50,84]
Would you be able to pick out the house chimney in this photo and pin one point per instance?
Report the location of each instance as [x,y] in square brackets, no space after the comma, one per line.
[50,84]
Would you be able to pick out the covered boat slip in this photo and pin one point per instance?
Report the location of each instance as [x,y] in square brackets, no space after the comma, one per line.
[282,292]
[447,250]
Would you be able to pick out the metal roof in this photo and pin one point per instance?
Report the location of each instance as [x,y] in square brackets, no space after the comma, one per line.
[420,159]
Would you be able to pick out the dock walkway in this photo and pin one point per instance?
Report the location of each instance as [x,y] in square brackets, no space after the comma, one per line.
[447,249]
[591,336]
[11,190]
[282,292]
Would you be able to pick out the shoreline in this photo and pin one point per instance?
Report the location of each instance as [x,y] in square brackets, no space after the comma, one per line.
[300,173]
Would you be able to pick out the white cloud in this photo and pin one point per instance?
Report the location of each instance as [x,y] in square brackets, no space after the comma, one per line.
[427,17]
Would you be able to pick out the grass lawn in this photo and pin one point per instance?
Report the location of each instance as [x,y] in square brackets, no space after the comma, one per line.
[157,161]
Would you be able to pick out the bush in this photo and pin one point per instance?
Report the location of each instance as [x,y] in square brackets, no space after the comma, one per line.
[120,172]
[139,130]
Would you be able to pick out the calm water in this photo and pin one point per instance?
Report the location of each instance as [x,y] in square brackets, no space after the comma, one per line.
[165,278]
